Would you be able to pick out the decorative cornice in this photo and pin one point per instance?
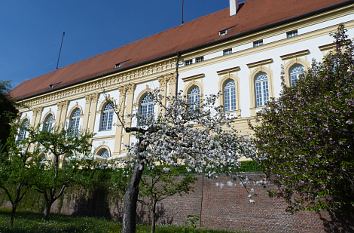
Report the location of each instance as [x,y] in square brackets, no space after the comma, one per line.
[296,54]
[229,70]
[259,63]
[194,77]
[106,83]
[327,46]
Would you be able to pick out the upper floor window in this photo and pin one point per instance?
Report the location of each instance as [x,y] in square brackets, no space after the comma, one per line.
[193,96]
[227,51]
[74,122]
[294,73]
[291,34]
[229,96]
[106,117]
[261,89]
[23,130]
[199,59]
[146,109]
[104,153]
[48,123]
[257,43]
[188,62]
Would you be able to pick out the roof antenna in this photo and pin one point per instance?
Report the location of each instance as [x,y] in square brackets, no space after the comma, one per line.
[61,45]
[182,6]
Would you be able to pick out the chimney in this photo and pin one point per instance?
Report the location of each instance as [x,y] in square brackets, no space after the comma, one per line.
[233,7]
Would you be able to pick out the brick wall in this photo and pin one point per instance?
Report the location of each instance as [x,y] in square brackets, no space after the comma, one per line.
[220,203]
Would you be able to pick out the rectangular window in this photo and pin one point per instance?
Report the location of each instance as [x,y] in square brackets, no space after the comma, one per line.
[199,59]
[257,43]
[188,62]
[226,51]
[291,34]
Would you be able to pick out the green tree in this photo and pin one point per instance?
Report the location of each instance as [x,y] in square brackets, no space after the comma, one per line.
[64,162]
[8,111]
[16,169]
[160,183]
[305,138]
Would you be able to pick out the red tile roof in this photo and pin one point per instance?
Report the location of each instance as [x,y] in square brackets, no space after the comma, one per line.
[252,16]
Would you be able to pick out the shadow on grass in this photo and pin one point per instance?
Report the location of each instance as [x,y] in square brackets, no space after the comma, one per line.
[27,222]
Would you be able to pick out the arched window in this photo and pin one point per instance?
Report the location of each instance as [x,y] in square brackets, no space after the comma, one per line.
[74,122]
[229,96]
[146,109]
[261,89]
[294,73]
[104,153]
[106,117]
[48,123]
[23,130]
[193,98]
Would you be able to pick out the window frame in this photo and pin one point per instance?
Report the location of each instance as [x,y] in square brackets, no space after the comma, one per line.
[199,59]
[261,89]
[74,120]
[101,151]
[23,129]
[227,51]
[296,75]
[106,118]
[146,109]
[46,127]
[258,43]
[193,99]
[292,33]
[231,97]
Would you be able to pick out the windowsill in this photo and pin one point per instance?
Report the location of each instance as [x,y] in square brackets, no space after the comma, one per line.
[255,110]
[234,113]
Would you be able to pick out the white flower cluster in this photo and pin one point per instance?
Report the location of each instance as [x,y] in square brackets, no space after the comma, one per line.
[200,139]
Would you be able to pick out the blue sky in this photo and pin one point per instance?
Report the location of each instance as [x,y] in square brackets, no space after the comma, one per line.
[30,30]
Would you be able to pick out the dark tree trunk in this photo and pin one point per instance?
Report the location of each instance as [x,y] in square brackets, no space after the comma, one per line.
[13,213]
[47,208]
[131,199]
[153,217]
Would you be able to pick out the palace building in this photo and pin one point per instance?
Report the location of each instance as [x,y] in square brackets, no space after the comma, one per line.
[238,51]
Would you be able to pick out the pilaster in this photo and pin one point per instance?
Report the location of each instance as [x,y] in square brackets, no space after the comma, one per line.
[91,112]
[36,120]
[172,85]
[119,126]
[128,111]
[163,92]
[61,114]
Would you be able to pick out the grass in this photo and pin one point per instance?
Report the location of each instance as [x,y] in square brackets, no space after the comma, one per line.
[26,222]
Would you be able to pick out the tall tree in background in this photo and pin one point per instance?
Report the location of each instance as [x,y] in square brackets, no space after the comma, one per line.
[8,111]
[306,138]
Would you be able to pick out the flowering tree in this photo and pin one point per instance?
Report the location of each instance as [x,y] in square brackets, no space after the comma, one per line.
[197,135]
[305,139]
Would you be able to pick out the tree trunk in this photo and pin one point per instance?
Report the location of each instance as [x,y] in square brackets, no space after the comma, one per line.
[47,208]
[153,217]
[13,213]
[131,199]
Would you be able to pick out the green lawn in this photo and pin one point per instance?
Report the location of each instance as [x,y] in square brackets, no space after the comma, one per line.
[33,223]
